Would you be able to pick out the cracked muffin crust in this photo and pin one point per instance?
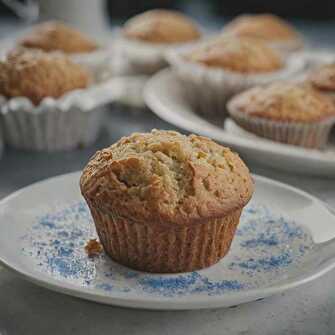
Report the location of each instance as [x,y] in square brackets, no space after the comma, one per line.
[36,75]
[238,54]
[267,27]
[161,26]
[53,36]
[166,202]
[286,102]
[168,177]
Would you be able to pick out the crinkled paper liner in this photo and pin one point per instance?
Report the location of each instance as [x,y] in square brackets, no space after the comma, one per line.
[72,121]
[167,250]
[209,89]
[308,135]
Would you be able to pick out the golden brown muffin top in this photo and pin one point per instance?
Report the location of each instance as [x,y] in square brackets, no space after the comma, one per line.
[323,78]
[238,54]
[264,26]
[161,26]
[165,177]
[56,36]
[35,74]
[285,102]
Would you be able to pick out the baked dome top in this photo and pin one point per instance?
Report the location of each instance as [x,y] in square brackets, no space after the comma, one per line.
[165,177]
[53,35]
[264,26]
[239,54]
[161,26]
[36,75]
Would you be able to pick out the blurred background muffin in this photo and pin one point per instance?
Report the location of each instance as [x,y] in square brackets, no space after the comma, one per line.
[57,36]
[50,102]
[146,37]
[161,26]
[267,27]
[215,70]
[36,75]
[291,113]
[241,55]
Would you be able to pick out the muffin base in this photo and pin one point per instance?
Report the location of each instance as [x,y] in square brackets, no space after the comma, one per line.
[307,135]
[165,250]
[50,128]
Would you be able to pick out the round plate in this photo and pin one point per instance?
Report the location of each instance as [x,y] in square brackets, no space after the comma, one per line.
[278,245]
[165,95]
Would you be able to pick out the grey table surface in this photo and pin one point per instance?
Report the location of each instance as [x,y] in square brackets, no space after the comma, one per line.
[28,309]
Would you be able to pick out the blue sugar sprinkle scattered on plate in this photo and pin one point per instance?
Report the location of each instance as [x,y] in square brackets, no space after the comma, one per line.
[264,248]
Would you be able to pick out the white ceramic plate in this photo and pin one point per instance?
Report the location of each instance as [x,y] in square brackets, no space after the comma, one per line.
[284,240]
[165,95]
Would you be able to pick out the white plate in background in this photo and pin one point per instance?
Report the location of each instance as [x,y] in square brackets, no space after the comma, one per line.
[165,95]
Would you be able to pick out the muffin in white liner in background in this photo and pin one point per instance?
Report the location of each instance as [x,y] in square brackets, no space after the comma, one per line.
[145,38]
[61,110]
[273,30]
[286,112]
[210,87]
[57,36]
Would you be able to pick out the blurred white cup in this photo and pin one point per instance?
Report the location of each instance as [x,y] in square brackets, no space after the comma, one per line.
[87,15]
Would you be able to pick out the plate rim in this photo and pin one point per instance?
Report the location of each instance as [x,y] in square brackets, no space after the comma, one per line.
[155,105]
[159,302]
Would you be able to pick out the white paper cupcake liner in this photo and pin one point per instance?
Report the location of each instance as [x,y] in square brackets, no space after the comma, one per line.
[71,121]
[309,135]
[210,88]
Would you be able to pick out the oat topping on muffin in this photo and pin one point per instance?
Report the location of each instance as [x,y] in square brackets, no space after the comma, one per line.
[161,26]
[323,78]
[35,74]
[244,55]
[164,176]
[53,35]
[286,102]
[264,26]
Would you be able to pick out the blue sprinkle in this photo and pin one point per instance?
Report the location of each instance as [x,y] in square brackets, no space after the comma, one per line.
[47,223]
[267,264]
[261,240]
[57,242]
[105,286]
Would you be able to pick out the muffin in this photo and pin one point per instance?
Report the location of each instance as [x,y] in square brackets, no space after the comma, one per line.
[241,55]
[49,101]
[216,70]
[291,113]
[37,75]
[267,27]
[165,202]
[146,37]
[56,36]
[162,27]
